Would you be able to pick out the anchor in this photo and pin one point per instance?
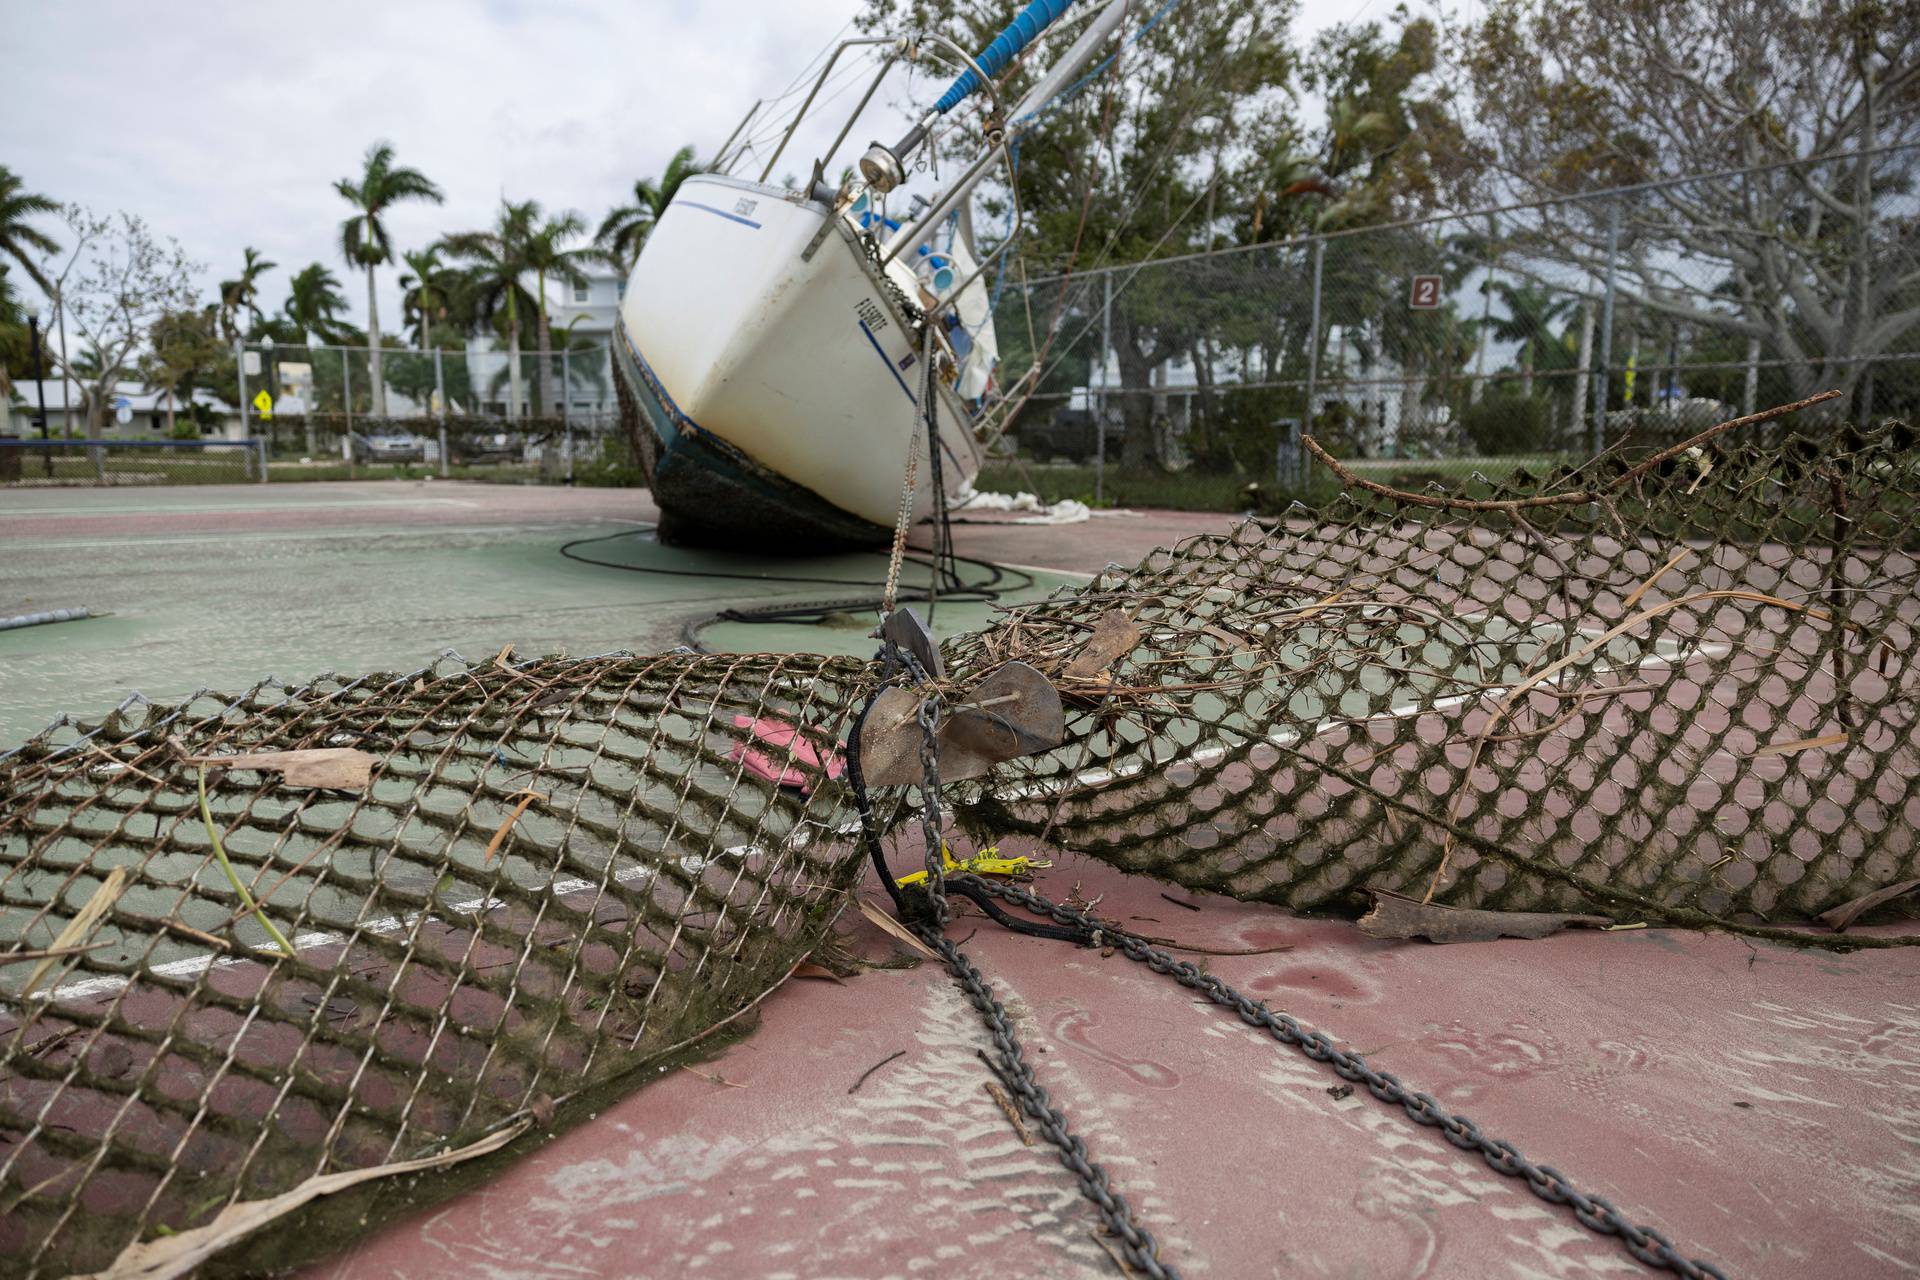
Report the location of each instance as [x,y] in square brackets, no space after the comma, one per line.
[1013,711]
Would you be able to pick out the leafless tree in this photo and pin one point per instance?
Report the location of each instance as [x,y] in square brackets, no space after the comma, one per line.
[117,282]
[1813,250]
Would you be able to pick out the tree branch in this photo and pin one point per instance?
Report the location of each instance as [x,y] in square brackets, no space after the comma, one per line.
[1572,497]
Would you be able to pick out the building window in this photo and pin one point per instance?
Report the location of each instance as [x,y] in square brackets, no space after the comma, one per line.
[580,292]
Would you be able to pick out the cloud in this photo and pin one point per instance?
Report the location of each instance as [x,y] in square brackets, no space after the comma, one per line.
[225,123]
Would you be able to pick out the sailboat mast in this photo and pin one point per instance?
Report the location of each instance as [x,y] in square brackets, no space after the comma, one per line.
[1023,117]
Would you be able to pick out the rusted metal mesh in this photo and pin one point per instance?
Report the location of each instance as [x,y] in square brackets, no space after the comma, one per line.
[1690,698]
[456,966]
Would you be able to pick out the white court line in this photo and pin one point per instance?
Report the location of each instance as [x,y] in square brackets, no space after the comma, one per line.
[799,839]
[1287,737]
[311,535]
[240,508]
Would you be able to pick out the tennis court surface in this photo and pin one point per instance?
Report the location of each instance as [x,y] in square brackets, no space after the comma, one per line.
[1340,691]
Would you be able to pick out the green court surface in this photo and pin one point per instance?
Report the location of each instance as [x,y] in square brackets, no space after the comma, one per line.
[221,609]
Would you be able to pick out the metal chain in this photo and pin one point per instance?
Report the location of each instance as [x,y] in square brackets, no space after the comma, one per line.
[940,912]
[1593,1212]
[1135,1242]
[903,520]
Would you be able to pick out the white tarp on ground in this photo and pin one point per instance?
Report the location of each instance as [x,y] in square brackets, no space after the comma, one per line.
[1066,511]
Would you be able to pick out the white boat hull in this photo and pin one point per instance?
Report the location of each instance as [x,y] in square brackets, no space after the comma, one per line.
[776,376]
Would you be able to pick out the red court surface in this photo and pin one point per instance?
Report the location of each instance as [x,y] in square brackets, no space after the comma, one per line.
[1760,1105]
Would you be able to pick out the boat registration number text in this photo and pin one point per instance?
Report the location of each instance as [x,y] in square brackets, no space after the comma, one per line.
[871,314]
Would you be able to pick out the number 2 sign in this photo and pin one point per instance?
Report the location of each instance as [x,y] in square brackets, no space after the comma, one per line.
[1425,294]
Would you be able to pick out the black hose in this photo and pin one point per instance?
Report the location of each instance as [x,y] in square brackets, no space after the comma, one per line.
[997,581]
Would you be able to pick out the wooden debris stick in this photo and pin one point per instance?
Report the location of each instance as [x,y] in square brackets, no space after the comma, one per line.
[1395,915]
[325,768]
[49,953]
[1799,744]
[714,1079]
[527,797]
[1573,497]
[1841,916]
[999,1095]
[855,1086]
[81,926]
[1672,562]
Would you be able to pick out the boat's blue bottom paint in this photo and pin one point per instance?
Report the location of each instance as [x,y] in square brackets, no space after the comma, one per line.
[713,494]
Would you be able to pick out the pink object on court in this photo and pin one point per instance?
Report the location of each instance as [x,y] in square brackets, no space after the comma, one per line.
[785,739]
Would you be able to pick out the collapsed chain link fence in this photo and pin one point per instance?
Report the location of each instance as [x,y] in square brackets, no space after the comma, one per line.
[1689,698]
[1678,691]
[560,872]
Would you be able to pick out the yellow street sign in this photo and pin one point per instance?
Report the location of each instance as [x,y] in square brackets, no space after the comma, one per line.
[264,403]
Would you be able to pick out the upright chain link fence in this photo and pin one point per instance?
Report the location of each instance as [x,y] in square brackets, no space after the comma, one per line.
[1486,341]
[289,411]
[457,407]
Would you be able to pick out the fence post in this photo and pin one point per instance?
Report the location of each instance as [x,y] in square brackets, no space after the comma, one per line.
[240,371]
[440,394]
[1486,322]
[1599,434]
[1313,345]
[346,404]
[1100,404]
[566,407]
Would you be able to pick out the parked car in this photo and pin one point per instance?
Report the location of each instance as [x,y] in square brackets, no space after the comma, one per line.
[389,446]
[1070,434]
[485,446]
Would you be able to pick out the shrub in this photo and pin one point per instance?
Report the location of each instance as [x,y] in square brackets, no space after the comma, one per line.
[1507,424]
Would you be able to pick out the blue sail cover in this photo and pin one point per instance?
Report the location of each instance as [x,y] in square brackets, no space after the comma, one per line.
[1020,33]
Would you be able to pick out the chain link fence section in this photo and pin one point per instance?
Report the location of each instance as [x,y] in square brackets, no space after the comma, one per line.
[457,407]
[554,875]
[1680,696]
[1489,341]
[61,463]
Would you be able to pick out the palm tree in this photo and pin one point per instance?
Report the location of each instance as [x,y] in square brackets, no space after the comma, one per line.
[548,256]
[428,292]
[625,230]
[314,303]
[1531,312]
[363,237]
[242,294]
[495,261]
[16,235]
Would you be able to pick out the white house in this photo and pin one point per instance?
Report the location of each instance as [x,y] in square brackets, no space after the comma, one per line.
[583,311]
[144,411]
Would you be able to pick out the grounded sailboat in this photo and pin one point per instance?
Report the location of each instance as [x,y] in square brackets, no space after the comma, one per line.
[785,356]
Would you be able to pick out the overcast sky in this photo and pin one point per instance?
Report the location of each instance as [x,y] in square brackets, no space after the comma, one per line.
[225,123]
